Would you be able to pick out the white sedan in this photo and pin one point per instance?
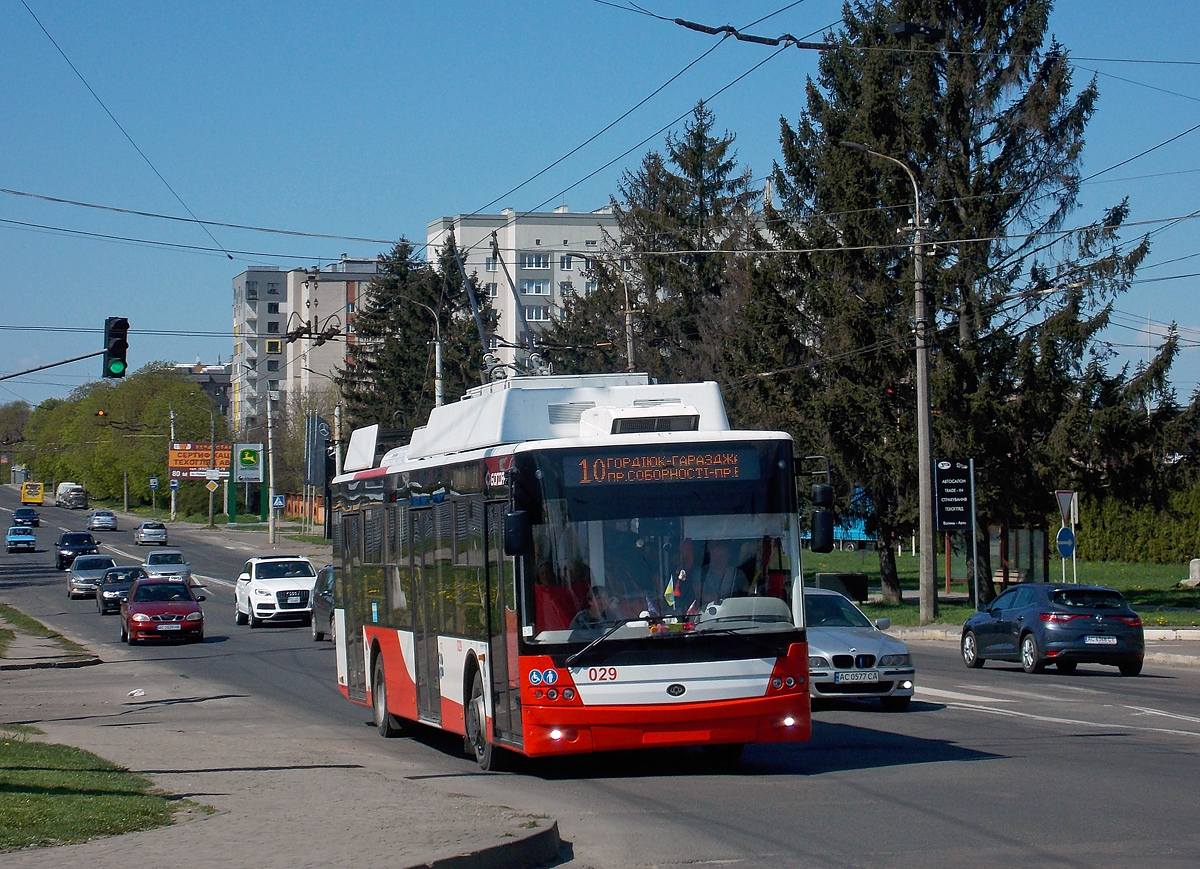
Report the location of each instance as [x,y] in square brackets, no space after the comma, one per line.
[849,657]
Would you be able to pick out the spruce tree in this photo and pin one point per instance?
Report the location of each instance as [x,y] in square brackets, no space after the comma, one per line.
[389,374]
[989,120]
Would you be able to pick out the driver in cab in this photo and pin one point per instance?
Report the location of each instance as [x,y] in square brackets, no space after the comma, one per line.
[601,610]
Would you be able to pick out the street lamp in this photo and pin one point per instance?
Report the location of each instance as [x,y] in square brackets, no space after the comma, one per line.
[438,391]
[924,433]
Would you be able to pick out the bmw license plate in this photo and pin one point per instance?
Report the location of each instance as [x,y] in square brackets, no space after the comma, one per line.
[858,676]
[1100,641]
[169,627]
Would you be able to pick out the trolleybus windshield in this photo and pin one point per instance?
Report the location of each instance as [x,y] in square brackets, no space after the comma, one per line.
[660,541]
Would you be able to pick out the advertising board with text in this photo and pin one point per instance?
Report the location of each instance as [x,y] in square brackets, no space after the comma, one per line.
[952,494]
[191,461]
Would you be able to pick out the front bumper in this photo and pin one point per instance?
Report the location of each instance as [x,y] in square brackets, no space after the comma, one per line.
[269,611]
[111,602]
[164,631]
[81,586]
[876,682]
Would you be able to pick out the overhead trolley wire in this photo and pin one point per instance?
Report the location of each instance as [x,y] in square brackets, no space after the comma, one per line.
[124,132]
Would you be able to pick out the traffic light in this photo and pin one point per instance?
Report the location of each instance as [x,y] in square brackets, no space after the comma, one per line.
[102,413]
[116,343]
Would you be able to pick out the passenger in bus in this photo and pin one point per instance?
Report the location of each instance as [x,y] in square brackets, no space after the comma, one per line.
[600,612]
[553,602]
[720,577]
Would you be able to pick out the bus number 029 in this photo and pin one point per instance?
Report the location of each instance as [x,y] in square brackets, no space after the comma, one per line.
[602,674]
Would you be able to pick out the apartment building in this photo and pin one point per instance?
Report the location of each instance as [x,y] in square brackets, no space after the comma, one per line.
[291,329]
[322,304]
[547,255]
[259,325]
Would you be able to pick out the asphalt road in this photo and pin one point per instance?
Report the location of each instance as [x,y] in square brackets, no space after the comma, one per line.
[988,768]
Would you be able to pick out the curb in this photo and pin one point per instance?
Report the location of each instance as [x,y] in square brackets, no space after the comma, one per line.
[533,850]
[70,664]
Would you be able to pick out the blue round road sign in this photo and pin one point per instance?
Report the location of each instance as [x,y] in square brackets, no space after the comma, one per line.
[1066,542]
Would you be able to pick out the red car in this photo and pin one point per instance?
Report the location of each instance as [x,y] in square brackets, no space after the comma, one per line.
[161,609]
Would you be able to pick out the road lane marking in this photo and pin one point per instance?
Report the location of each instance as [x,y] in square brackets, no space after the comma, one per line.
[1027,695]
[1145,710]
[1049,719]
[939,694]
[207,579]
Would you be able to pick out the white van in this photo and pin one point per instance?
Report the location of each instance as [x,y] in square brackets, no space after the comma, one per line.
[70,495]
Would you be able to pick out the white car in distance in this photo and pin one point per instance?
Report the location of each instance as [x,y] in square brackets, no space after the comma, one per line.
[274,588]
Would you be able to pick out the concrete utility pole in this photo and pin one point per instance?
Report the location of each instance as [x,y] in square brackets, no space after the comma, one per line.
[212,463]
[270,473]
[924,428]
[168,473]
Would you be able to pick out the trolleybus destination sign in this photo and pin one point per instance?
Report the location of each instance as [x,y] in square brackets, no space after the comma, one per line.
[681,466]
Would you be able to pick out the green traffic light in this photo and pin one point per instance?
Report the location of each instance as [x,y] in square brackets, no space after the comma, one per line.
[116,367]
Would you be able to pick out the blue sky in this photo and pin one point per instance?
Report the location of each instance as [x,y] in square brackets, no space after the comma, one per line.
[369,119]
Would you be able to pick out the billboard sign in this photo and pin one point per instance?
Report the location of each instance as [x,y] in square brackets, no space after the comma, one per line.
[952,493]
[248,463]
[191,461]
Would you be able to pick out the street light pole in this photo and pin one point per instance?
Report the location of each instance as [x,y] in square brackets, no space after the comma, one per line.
[439,394]
[924,428]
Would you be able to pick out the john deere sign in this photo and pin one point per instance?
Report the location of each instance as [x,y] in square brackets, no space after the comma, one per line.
[248,462]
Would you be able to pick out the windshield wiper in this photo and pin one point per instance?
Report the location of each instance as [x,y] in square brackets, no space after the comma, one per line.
[648,619]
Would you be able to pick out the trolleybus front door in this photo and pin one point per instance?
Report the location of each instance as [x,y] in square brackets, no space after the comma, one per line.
[502,633]
[351,577]
[425,616]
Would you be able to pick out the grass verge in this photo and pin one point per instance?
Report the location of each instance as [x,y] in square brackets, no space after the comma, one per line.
[21,622]
[55,795]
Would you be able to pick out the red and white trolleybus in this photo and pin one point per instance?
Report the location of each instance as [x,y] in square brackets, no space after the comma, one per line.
[572,564]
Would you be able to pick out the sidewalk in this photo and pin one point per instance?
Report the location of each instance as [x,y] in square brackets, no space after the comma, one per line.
[287,793]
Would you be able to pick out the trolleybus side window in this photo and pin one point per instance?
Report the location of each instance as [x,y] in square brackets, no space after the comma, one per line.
[399,566]
[374,580]
[469,602]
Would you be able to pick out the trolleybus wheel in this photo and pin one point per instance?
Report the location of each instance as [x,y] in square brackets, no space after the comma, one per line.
[385,722]
[487,755]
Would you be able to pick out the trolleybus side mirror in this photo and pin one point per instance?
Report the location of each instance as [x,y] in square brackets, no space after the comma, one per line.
[822,518]
[517,533]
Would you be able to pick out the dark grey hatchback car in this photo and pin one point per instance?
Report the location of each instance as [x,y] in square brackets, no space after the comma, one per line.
[323,605]
[1036,624]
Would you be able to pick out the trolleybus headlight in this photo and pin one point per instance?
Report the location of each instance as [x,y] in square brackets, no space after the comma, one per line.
[776,683]
[552,694]
[790,681]
[568,693]
[789,721]
[556,734]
